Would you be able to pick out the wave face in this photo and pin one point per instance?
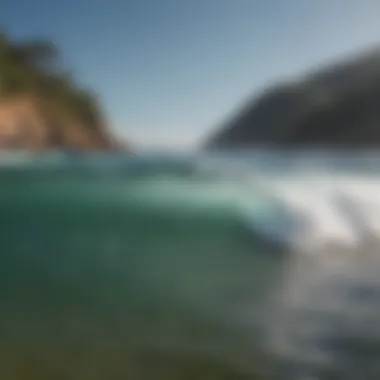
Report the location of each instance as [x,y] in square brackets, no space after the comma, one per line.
[227,257]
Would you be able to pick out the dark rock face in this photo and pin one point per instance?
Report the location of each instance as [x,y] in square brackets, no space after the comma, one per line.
[338,106]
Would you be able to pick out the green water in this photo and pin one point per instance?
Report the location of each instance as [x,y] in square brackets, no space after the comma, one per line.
[119,277]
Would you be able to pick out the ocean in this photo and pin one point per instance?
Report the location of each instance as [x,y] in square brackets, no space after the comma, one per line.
[235,265]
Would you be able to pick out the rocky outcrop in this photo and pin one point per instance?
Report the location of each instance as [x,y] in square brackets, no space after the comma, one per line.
[26,124]
[338,106]
[42,104]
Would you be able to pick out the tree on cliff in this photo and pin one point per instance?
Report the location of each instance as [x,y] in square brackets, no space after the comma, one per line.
[34,68]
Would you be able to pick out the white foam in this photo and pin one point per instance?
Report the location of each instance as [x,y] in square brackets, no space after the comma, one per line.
[323,209]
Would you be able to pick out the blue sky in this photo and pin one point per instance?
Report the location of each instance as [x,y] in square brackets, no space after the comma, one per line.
[168,71]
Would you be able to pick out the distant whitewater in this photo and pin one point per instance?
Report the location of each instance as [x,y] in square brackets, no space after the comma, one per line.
[230,257]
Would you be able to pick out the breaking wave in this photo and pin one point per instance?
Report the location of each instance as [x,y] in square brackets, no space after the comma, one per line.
[194,253]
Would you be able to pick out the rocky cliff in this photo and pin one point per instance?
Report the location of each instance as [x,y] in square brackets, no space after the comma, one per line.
[337,106]
[42,106]
[25,124]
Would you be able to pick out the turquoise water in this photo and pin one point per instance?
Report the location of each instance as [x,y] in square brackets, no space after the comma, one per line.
[165,266]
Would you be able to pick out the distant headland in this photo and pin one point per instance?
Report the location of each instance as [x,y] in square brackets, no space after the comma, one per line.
[42,106]
[337,106]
